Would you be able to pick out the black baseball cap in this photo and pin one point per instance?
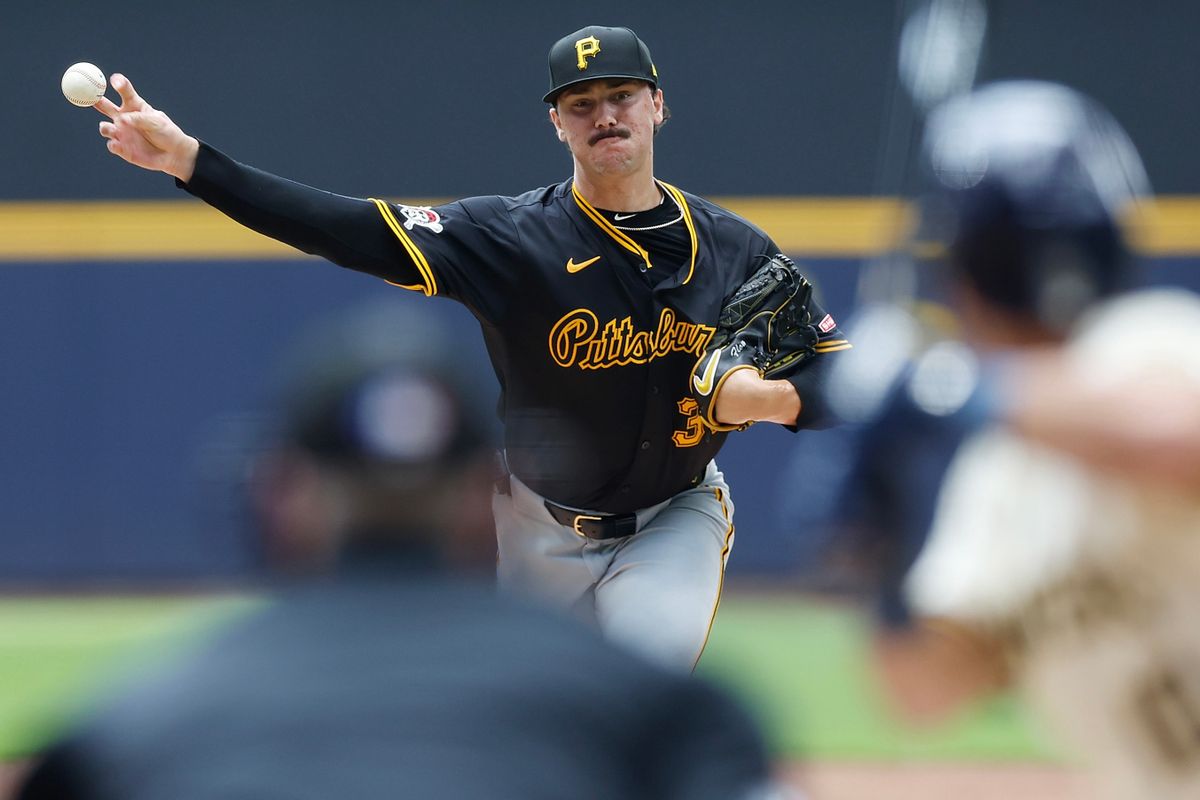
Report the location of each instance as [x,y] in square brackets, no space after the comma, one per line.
[598,52]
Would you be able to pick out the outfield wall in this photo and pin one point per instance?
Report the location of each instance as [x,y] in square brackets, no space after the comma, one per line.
[136,326]
[132,398]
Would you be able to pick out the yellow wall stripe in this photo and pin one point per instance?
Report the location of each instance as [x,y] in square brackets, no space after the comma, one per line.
[168,230]
[187,230]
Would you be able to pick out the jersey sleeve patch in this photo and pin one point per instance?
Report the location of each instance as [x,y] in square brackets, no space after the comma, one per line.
[414,216]
[424,216]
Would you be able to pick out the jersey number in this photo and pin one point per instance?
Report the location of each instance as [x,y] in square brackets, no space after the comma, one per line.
[1168,706]
[694,432]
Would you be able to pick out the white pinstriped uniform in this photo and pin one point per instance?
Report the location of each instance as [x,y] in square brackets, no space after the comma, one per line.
[1097,579]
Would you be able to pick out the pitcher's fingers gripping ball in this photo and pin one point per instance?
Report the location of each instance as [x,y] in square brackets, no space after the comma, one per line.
[765,326]
[83,84]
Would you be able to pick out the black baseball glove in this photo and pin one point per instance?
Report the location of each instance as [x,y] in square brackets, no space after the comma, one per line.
[765,326]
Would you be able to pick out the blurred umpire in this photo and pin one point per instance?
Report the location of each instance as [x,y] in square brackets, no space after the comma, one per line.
[386,665]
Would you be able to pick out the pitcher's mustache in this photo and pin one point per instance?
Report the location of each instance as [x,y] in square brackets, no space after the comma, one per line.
[605,134]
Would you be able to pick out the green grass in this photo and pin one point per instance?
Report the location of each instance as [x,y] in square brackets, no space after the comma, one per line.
[799,666]
[56,653]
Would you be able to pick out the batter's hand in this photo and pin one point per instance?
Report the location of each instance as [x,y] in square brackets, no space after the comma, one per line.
[144,136]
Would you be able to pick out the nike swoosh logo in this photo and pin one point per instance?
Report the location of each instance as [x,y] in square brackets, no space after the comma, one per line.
[704,384]
[572,267]
[624,216]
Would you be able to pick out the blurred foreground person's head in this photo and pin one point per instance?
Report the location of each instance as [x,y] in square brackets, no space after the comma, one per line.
[1029,182]
[379,439]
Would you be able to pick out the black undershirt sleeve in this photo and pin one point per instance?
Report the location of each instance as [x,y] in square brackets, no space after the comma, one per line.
[812,383]
[345,230]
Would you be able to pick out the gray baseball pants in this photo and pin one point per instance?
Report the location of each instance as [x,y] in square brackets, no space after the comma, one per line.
[656,591]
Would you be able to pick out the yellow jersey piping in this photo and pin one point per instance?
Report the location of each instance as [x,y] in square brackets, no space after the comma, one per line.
[414,252]
[687,220]
[724,560]
[607,227]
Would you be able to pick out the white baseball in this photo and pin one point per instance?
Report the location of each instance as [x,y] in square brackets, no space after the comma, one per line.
[83,84]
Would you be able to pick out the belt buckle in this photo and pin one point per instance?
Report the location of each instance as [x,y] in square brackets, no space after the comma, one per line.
[583,518]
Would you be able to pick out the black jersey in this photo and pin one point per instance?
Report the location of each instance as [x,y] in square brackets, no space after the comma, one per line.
[591,336]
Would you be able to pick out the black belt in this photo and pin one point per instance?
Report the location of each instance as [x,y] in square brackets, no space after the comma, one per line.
[594,526]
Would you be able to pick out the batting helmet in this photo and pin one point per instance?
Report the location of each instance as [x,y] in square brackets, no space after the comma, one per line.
[1029,182]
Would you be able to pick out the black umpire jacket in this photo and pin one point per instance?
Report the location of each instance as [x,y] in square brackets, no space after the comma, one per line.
[393,680]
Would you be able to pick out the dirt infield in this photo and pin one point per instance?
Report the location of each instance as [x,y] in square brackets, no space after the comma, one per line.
[905,781]
[939,781]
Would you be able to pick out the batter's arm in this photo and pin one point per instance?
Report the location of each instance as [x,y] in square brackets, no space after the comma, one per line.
[1146,428]
[933,667]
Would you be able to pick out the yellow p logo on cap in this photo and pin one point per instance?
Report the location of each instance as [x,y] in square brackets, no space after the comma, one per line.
[586,48]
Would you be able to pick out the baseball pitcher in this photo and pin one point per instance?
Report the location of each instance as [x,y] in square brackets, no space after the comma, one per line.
[601,302]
